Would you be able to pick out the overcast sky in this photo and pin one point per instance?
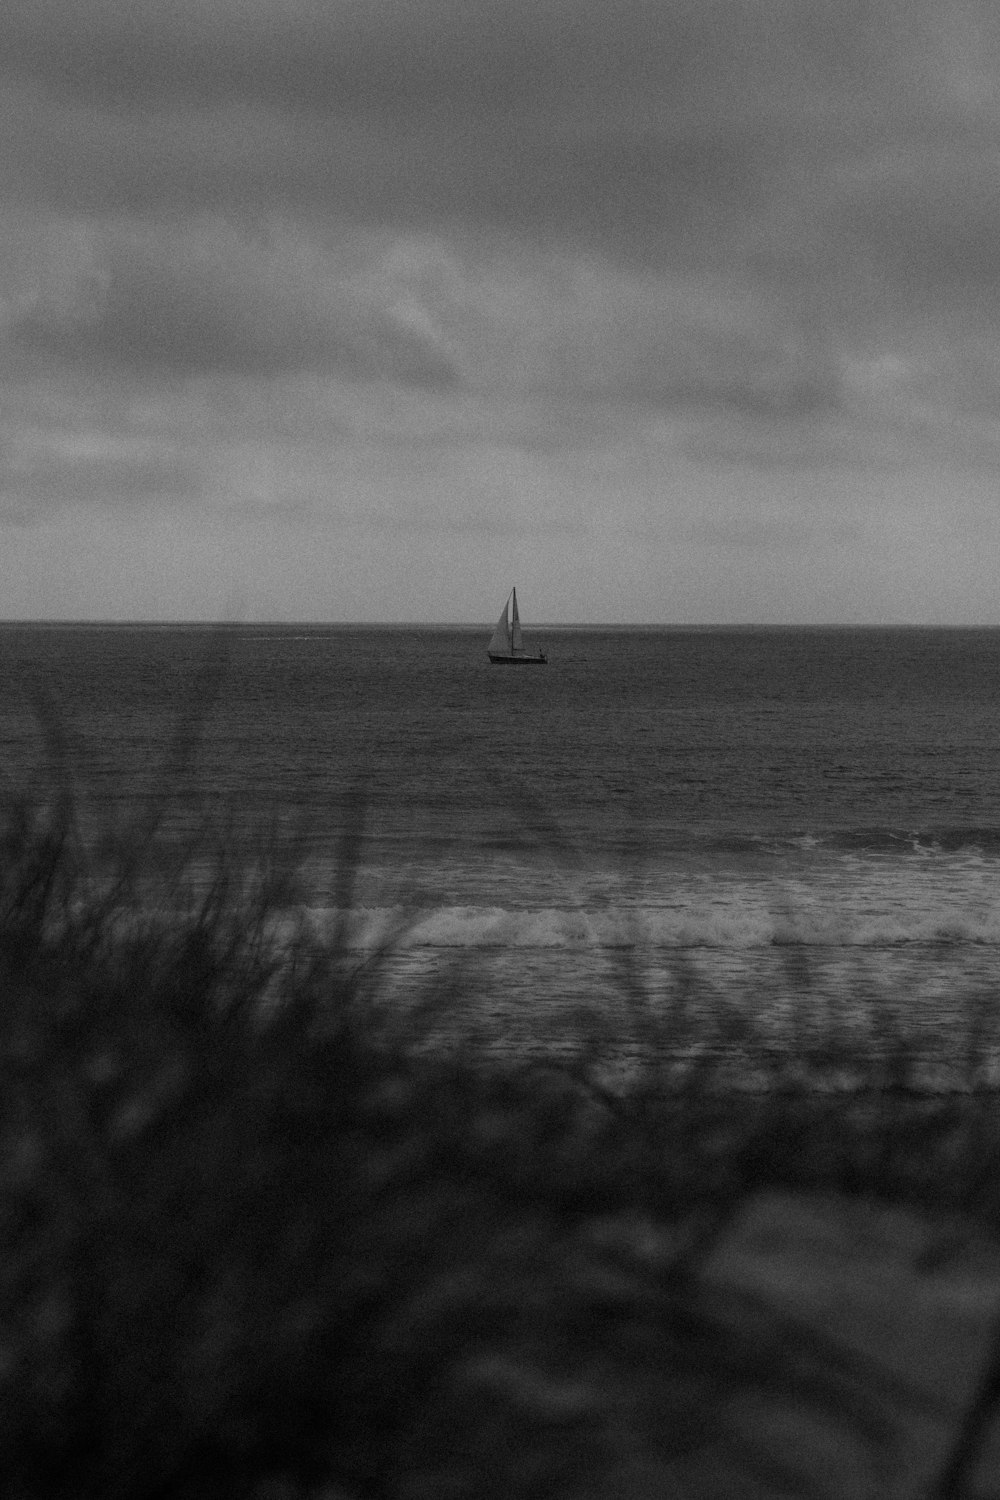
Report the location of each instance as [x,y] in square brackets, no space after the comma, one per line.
[666,310]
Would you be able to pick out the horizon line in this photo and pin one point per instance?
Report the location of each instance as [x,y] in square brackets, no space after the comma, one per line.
[470,625]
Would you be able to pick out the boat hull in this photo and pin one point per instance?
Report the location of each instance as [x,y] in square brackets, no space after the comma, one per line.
[518,661]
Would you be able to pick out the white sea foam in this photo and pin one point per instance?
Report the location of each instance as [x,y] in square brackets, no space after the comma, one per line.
[732,926]
[924,929]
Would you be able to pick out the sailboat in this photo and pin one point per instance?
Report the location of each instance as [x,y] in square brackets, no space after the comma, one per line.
[505,642]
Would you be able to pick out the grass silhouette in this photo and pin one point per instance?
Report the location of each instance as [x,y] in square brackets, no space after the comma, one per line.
[258,1238]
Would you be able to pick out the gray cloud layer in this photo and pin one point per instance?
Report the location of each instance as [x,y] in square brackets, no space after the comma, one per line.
[663,132]
[771,223]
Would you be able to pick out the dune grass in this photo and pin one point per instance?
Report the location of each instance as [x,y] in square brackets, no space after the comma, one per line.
[255,1239]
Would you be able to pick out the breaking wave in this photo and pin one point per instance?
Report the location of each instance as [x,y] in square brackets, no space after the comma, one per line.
[730,926]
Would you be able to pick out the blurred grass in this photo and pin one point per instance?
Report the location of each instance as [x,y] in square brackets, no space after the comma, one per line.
[256,1237]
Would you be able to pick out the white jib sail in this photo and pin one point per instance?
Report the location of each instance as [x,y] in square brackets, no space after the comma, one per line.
[500,639]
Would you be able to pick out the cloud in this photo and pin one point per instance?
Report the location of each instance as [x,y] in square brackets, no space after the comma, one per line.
[203,298]
[396,341]
[807,146]
[930,219]
[355,261]
[644,124]
[39,479]
[840,152]
[197,299]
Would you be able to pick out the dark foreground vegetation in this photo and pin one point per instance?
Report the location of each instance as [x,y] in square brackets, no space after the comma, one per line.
[258,1239]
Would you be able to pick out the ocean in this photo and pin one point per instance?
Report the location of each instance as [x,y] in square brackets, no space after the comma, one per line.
[787,815]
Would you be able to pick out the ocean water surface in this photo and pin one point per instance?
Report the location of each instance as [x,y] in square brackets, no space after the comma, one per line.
[750,805]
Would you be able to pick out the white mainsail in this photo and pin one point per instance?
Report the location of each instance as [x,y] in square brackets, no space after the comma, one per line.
[515,629]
